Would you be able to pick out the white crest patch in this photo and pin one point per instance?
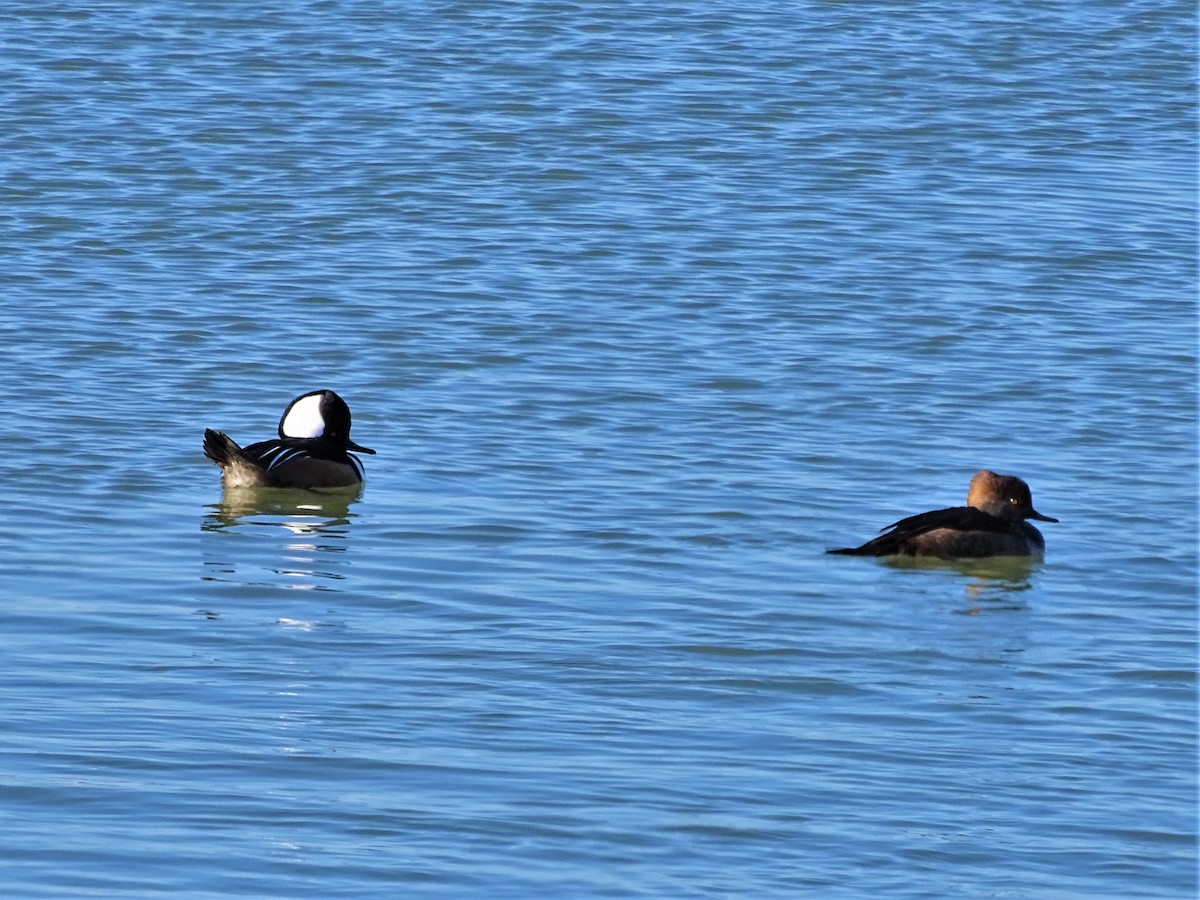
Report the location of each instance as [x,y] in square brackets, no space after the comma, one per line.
[304,419]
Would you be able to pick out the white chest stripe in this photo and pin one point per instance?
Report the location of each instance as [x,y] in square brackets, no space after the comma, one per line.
[286,456]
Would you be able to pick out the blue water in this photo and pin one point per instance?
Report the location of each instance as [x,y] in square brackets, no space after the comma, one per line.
[643,308]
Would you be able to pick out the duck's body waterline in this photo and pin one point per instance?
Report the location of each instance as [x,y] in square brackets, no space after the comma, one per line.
[991,524]
[312,450]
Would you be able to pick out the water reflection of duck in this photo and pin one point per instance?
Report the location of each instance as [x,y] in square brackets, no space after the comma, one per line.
[312,449]
[307,543]
[991,524]
[299,510]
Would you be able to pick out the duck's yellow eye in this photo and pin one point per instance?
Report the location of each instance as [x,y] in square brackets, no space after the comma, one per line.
[1013,500]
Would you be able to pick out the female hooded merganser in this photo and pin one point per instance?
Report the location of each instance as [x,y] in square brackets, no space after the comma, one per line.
[311,451]
[991,524]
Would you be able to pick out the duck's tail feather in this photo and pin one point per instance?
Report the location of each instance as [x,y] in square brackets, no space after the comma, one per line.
[237,469]
[221,448]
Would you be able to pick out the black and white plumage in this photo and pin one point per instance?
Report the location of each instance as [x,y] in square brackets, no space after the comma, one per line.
[991,524]
[312,450]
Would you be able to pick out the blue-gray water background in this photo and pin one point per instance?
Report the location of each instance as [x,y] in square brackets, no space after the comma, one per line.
[644,306]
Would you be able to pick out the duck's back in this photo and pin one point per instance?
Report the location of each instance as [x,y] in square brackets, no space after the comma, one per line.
[282,462]
[304,463]
[960,531]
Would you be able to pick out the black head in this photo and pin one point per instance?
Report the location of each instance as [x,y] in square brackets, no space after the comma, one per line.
[319,414]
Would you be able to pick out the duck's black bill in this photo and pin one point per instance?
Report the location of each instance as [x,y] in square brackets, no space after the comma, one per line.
[1037,515]
[355,447]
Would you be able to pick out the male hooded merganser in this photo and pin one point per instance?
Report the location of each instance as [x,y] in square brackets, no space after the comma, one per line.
[991,524]
[311,451]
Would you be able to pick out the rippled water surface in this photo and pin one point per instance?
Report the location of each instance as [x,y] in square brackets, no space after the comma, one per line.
[643,308]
